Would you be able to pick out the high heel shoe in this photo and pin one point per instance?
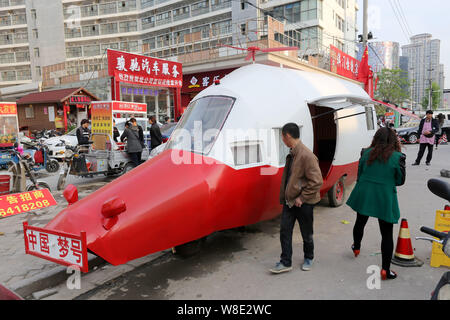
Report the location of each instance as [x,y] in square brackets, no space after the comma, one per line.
[355,252]
[385,275]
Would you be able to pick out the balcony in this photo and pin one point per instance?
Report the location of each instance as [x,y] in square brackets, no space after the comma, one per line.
[11,3]
[221,5]
[12,75]
[89,11]
[181,16]
[198,11]
[11,39]
[148,23]
[14,20]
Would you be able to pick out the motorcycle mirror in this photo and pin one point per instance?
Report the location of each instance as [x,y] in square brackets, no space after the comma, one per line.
[439,188]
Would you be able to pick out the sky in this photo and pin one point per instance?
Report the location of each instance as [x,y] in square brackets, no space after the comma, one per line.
[431,16]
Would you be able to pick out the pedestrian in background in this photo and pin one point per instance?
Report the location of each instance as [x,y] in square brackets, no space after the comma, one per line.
[155,133]
[381,169]
[441,119]
[299,193]
[134,136]
[427,129]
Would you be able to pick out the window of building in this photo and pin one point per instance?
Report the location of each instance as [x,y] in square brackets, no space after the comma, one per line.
[33,14]
[109,28]
[92,50]
[38,71]
[243,29]
[128,26]
[29,112]
[244,4]
[36,52]
[35,34]
[92,30]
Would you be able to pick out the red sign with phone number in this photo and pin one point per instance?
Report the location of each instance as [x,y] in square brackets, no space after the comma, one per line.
[13,204]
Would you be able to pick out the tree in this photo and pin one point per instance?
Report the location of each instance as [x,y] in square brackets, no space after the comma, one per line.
[435,97]
[393,86]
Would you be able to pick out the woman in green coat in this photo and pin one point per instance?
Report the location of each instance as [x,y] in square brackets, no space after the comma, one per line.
[381,169]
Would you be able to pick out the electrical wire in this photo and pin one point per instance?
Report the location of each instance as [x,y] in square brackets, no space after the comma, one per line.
[399,21]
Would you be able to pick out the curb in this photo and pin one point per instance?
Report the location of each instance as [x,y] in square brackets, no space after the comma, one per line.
[49,279]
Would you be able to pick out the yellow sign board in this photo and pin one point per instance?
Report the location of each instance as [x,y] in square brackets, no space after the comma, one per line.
[442,224]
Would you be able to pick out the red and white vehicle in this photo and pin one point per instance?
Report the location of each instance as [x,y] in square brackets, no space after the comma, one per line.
[230,176]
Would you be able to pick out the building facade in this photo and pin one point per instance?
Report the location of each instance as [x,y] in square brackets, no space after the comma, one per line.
[424,66]
[63,43]
[382,55]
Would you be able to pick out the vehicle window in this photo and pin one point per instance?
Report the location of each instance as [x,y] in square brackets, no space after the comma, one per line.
[72,133]
[120,126]
[201,124]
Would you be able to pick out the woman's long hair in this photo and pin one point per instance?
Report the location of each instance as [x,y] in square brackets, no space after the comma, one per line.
[384,143]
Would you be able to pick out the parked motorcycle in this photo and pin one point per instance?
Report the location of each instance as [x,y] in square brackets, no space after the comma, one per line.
[73,160]
[40,158]
[442,190]
[18,174]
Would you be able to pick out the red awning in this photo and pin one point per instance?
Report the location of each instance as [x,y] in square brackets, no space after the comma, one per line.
[399,110]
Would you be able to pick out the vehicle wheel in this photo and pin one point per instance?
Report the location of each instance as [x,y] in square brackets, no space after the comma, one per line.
[413,138]
[189,249]
[336,195]
[128,167]
[61,182]
[39,186]
[52,166]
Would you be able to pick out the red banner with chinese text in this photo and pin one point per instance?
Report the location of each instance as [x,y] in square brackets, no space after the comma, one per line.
[142,70]
[8,108]
[343,64]
[129,107]
[13,204]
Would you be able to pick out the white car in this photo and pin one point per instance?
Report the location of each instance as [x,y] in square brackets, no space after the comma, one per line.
[56,147]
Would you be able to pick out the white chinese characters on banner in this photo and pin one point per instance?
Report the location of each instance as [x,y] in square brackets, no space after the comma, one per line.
[56,247]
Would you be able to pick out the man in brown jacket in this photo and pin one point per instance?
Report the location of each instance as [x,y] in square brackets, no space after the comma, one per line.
[299,192]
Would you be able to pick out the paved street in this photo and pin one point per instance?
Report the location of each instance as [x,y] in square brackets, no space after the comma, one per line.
[234,264]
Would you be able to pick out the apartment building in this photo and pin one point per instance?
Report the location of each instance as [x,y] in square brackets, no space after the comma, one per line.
[320,23]
[15,62]
[424,65]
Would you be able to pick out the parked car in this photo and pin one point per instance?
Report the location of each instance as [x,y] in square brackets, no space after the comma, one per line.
[409,132]
[56,148]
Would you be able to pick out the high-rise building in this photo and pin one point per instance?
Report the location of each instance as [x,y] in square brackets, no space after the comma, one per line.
[424,66]
[382,55]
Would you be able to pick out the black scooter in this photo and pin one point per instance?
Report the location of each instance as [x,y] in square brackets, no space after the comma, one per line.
[442,190]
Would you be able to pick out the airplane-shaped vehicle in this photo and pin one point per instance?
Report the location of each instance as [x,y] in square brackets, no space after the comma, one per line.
[222,166]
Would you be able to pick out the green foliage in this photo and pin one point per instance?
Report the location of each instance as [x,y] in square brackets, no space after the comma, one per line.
[435,97]
[393,86]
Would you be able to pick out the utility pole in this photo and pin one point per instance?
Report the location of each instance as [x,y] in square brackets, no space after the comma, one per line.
[365,23]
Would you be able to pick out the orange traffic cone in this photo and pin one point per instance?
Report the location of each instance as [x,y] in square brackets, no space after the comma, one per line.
[404,254]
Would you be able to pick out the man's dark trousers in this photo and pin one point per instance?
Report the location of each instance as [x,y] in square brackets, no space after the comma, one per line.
[422,148]
[304,216]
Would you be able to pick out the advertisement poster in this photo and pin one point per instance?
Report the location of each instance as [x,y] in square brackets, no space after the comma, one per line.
[101,113]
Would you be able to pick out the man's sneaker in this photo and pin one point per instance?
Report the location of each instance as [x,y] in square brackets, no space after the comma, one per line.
[415,164]
[428,164]
[280,268]
[307,265]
